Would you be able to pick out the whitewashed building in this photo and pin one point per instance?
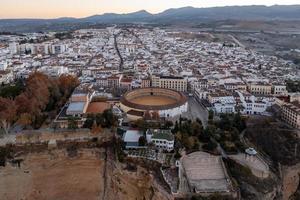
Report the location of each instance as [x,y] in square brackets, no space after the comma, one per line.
[162,139]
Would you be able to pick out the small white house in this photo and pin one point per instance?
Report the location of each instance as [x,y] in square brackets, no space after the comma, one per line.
[162,139]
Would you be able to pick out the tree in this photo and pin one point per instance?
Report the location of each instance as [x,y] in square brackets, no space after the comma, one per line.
[207,133]
[11,91]
[168,124]
[100,119]
[72,124]
[210,146]
[141,124]
[177,155]
[188,142]
[40,94]
[67,84]
[176,127]
[95,129]
[55,96]
[196,128]
[142,141]
[239,122]
[7,113]
[110,118]
[225,123]
[210,116]
[89,122]
[24,104]
[37,87]
[25,119]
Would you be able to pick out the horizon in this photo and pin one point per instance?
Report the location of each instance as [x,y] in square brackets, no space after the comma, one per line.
[49,9]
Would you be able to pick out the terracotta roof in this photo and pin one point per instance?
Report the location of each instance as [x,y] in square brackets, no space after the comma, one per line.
[97,107]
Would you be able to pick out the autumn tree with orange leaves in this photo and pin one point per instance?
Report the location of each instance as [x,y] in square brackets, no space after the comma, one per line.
[42,94]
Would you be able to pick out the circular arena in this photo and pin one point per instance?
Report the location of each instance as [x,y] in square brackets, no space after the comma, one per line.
[168,103]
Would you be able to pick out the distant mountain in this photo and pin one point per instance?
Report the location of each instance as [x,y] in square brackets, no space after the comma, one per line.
[171,16]
[234,12]
[112,17]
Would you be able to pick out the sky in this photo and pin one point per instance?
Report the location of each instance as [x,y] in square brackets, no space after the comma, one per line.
[83,8]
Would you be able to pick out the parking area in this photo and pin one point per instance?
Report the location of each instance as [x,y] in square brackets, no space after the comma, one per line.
[195,110]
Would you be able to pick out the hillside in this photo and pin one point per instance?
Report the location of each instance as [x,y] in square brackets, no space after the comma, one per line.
[170,16]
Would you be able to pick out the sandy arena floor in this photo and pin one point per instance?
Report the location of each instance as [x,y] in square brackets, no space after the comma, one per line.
[153,100]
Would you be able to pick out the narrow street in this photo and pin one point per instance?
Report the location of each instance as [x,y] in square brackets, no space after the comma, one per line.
[119,54]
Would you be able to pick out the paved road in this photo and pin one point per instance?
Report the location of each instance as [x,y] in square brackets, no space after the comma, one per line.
[118,52]
[196,110]
[237,41]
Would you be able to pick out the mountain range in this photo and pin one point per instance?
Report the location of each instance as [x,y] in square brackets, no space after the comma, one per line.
[170,16]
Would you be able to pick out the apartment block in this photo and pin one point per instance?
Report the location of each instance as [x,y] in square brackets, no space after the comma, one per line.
[170,82]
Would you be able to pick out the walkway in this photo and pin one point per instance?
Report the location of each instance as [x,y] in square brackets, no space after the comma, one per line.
[258,167]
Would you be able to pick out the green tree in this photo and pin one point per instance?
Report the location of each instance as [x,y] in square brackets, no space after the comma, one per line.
[100,119]
[177,155]
[72,124]
[11,91]
[142,141]
[210,116]
[89,121]
[141,124]
[225,123]
[210,146]
[109,118]
[176,127]
[168,124]
[197,128]
[239,122]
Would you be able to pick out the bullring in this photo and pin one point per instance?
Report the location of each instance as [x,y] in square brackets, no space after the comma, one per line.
[168,103]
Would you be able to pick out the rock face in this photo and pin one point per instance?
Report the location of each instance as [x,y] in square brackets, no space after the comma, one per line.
[290,180]
[121,183]
[251,192]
